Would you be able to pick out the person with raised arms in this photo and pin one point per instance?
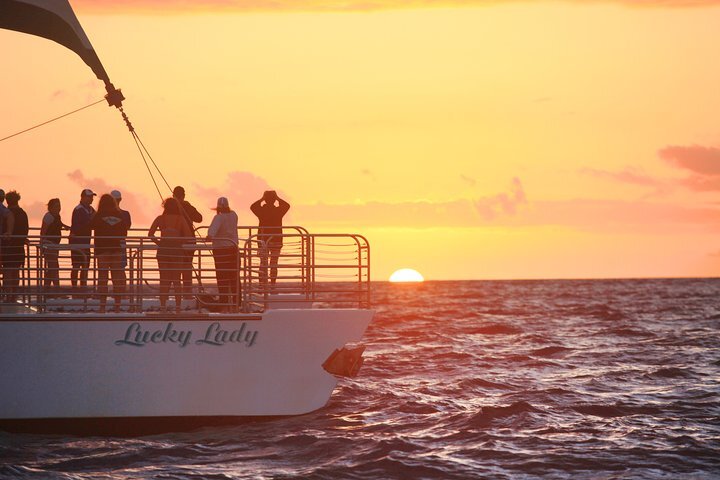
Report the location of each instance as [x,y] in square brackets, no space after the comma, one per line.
[270,210]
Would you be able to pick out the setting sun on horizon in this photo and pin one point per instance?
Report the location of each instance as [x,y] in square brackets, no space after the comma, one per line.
[406,275]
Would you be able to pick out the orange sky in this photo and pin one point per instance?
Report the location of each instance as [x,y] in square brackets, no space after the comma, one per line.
[495,140]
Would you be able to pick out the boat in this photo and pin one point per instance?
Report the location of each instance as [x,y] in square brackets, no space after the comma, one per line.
[274,348]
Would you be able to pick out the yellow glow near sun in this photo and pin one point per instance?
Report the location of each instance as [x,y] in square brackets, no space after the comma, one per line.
[406,275]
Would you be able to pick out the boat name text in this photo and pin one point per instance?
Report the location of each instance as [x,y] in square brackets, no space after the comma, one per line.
[215,335]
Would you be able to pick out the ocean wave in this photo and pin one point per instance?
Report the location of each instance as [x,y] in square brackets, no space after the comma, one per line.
[492,413]
[495,329]
[554,351]
[616,410]
[672,372]
[479,383]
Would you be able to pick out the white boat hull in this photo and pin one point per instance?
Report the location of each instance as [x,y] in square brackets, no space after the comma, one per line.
[167,366]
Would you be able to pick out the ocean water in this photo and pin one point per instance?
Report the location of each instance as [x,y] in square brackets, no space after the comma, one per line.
[527,379]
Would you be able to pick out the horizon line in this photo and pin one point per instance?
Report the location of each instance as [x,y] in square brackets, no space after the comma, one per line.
[554,279]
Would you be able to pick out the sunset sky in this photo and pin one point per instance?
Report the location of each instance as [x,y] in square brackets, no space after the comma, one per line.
[464,139]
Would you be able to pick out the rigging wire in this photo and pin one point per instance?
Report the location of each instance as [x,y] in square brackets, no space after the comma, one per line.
[142,155]
[52,120]
[153,162]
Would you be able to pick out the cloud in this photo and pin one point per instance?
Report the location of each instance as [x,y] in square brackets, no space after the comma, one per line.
[491,210]
[241,189]
[503,203]
[368,173]
[597,215]
[703,163]
[628,175]
[35,210]
[142,210]
[468,180]
[179,6]
[701,183]
[625,216]
[696,158]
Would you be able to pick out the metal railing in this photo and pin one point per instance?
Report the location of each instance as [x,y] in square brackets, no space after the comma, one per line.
[326,269]
[306,270]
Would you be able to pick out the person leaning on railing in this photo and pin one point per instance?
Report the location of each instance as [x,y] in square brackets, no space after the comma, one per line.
[174,233]
[50,234]
[110,228]
[223,233]
[13,247]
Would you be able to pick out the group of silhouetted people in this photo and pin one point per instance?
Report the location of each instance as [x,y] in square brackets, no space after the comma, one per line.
[108,226]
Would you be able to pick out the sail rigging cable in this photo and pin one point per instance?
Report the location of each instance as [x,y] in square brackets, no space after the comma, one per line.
[155,164]
[152,177]
[52,120]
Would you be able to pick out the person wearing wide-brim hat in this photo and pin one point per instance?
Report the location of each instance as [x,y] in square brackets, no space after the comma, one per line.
[224,236]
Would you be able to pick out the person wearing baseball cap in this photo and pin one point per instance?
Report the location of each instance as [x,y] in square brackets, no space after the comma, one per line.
[79,238]
[223,233]
[125,215]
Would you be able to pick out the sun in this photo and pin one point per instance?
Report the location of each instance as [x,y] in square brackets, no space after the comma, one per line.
[406,275]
